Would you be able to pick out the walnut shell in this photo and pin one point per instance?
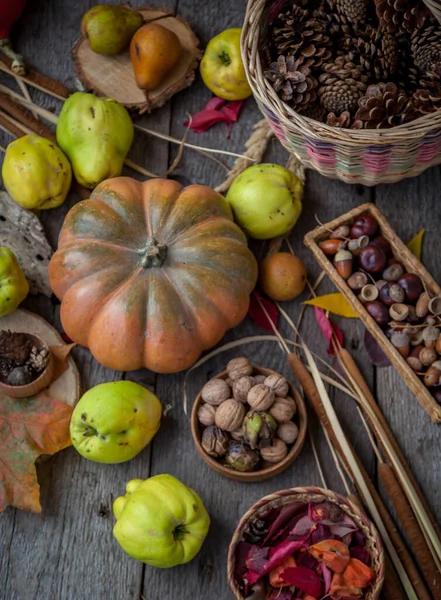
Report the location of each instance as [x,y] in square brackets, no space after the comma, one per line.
[239,367]
[283,409]
[276,452]
[278,384]
[229,415]
[259,379]
[288,432]
[241,387]
[260,397]
[206,414]
[237,434]
[215,392]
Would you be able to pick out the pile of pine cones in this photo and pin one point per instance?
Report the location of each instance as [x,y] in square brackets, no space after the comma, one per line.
[354,63]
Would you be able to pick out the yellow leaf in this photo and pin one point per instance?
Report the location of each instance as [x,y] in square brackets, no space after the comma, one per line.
[335,303]
[415,244]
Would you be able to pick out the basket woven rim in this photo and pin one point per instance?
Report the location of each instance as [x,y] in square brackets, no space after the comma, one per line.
[308,494]
[265,93]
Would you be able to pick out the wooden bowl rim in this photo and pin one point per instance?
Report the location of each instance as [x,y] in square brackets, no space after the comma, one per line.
[267,472]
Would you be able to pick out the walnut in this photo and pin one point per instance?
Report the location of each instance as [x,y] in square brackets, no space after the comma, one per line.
[260,397]
[239,367]
[237,434]
[288,432]
[241,387]
[259,379]
[274,453]
[206,414]
[229,415]
[283,409]
[215,391]
[278,384]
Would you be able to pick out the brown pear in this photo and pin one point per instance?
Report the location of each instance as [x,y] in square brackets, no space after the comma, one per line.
[154,51]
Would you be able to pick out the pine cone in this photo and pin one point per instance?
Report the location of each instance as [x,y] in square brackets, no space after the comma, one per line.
[426,47]
[14,346]
[314,111]
[407,75]
[297,34]
[292,79]
[353,10]
[376,51]
[256,531]
[38,359]
[428,98]
[384,105]
[401,15]
[342,85]
[334,24]
[344,120]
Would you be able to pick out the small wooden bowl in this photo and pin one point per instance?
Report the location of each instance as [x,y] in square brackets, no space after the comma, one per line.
[306,494]
[269,469]
[30,389]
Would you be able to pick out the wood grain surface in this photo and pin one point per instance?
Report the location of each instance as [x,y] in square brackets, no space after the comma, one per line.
[68,553]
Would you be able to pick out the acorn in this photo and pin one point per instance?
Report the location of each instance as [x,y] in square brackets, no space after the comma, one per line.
[401,343]
[399,311]
[430,336]
[332,246]
[422,305]
[369,293]
[435,305]
[392,293]
[357,280]
[356,246]
[343,263]
[414,363]
[432,377]
[428,356]
[416,351]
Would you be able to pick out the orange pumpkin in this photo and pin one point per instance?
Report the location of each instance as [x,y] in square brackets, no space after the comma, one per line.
[151,274]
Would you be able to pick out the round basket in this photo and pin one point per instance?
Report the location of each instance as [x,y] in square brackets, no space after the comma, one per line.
[277,500]
[366,156]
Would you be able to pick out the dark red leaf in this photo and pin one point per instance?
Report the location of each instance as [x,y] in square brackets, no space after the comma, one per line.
[284,517]
[303,526]
[304,559]
[232,110]
[325,512]
[257,559]
[215,103]
[376,354]
[328,328]
[359,539]
[362,554]
[205,119]
[257,314]
[276,557]
[243,550]
[305,579]
[320,534]
[280,594]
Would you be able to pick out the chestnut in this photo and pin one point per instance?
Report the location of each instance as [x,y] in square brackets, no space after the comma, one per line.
[414,363]
[412,286]
[383,243]
[357,280]
[393,272]
[364,225]
[378,311]
[372,259]
[432,377]
[332,246]
[392,293]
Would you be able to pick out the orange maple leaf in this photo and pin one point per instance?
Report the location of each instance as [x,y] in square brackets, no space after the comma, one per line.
[29,427]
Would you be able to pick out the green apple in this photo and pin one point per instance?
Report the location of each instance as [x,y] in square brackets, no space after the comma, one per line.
[114,421]
[266,200]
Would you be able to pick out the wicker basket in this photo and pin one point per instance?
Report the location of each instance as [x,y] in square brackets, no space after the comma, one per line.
[374,544]
[367,157]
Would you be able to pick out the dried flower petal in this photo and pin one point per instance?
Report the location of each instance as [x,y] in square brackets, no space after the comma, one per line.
[305,579]
[275,578]
[257,314]
[341,588]
[358,574]
[333,553]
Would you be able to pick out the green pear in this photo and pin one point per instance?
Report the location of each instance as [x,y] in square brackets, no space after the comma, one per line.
[95,134]
[109,29]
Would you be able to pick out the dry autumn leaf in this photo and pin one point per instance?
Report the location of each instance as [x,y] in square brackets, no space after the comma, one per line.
[28,428]
[334,303]
[415,244]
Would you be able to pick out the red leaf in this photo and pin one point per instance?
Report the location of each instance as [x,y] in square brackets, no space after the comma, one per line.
[284,517]
[328,328]
[215,103]
[376,354]
[232,110]
[256,312]
[276,557]
[257,558]
[205,119]
[305,579]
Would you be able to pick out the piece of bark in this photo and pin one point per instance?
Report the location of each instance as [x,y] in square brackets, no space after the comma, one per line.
[22,232]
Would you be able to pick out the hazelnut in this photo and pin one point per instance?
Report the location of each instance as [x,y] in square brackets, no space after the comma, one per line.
[206,414]
[288,432]
[430,336]
[399,311]
[215,391]
[241,387]
[414,363]
[274,453]
[259,379]
[278,384]
[260,397]
[229,415]
[432,377]
[237,434]
[428,356]
[401,342]
[422,305]
[435,305]
[239,367]
[283,409]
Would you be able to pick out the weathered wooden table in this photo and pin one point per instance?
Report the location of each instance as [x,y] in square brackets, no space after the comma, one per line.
[68,553]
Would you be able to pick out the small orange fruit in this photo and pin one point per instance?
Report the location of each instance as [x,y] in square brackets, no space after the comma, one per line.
[282,276]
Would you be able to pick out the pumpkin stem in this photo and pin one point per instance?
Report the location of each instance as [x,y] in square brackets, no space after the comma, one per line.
[153,254]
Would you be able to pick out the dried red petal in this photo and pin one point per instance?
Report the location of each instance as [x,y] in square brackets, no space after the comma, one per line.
[328,328]
[215,103]
[305,579]
[232,110]
[205,119]
[257,314]
[275,578]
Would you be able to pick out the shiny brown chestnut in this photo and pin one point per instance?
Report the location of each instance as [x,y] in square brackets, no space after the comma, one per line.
[412,286]
[364,225]
[392,293]
[372,259]
[393,272]
[378,311]
[383,243]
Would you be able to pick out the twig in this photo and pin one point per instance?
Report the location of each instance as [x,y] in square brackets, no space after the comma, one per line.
[180,152]
[139,169]
[24,90]
[37,80]
[317,460]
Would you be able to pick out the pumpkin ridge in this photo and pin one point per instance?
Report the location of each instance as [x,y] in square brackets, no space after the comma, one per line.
[81,241]
[147,195]
[188,312]
[188,232]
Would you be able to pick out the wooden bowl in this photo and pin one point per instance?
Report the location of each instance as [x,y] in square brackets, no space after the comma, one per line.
[268,470]
[113,76]
[32,388]
[306,494]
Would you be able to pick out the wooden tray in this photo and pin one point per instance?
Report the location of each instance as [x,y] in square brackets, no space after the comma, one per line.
[411,263]
[268,470]
[113,77]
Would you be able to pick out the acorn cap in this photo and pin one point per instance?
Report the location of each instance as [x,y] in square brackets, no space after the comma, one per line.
[435,305]
[430,334]
[342,255]
[399,311]
[400,339]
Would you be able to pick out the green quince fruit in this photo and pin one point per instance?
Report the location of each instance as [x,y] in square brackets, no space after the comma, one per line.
[13,284]
[266,200]
[160,521]
[114,421]
[109,29]
[96,134]
[36,173]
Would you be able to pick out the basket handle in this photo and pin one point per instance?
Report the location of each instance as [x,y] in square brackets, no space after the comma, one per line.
[435,8]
